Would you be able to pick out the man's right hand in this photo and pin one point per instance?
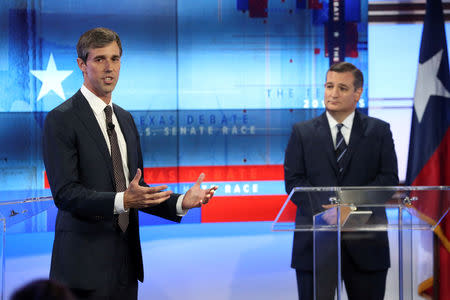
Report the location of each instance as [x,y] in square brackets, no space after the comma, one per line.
[137,196]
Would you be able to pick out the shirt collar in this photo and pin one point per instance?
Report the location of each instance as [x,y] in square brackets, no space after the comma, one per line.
[97,105]
[348,122]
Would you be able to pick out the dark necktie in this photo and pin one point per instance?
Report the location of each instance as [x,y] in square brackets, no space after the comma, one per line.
[341,148]
[119,177]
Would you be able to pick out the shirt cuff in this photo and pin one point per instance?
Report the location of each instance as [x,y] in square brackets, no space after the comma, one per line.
[180,211]
[118,203]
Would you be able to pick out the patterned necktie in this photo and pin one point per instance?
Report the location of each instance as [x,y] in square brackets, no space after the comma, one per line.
[341,148]
[119,177]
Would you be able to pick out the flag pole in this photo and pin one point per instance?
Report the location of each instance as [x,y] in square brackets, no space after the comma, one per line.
[435,267]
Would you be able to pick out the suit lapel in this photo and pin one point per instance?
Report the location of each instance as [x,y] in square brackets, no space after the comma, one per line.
[324,135]
[356,136]
[86,116]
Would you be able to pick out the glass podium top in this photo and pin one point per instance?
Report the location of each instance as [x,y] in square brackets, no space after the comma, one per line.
[19,195]
[17,206]
[363,208]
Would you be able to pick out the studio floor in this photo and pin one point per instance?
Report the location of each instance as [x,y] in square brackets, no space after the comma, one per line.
[219,261]
[184,261]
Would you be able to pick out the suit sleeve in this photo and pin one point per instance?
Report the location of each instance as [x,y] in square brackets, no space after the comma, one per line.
[294,164]
[387,170]
[61,159]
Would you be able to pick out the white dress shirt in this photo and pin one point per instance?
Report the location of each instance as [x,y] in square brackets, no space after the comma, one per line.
[98,107]
[345,130]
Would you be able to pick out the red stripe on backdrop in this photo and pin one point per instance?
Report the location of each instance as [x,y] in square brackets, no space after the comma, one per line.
[258,8]
[246,209]
[214,173]
[230,208]
[46,184]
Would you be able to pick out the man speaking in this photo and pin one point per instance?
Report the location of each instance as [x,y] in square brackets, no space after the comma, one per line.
[93,159]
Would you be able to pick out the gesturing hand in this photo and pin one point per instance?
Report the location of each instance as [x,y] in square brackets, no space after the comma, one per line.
[196,196]
[137,196]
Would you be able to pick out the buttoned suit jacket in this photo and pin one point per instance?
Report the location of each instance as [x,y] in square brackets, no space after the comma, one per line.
[310,161]
[80,173]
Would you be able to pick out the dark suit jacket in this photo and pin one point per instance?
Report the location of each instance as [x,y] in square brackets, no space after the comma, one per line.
[80,173]
[310,160]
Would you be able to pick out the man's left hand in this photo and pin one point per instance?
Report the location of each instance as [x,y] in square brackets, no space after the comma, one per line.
[330,216]
[196,196]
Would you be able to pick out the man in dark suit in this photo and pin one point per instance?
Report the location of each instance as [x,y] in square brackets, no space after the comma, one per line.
[341,147]
[93,159]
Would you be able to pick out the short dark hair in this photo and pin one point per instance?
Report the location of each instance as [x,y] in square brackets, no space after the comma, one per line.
[43,289]
[343,67]
[96,38]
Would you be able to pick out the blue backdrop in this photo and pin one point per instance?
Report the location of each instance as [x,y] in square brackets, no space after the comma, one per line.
[210,83]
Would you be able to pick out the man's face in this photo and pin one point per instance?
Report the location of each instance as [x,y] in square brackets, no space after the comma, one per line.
[101,70]
[340,93]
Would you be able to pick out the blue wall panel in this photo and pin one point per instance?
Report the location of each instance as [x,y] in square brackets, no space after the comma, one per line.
[218,83]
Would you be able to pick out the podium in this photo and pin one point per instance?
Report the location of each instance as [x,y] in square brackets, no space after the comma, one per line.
[358,220]
[15,208]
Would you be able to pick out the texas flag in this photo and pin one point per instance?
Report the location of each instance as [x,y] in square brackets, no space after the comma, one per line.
[429,150]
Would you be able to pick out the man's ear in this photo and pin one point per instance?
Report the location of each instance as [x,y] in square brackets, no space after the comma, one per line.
[81,65]
[358,94]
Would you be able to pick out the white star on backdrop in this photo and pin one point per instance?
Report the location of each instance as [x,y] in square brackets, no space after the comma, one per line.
[428,84]
[51,79]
